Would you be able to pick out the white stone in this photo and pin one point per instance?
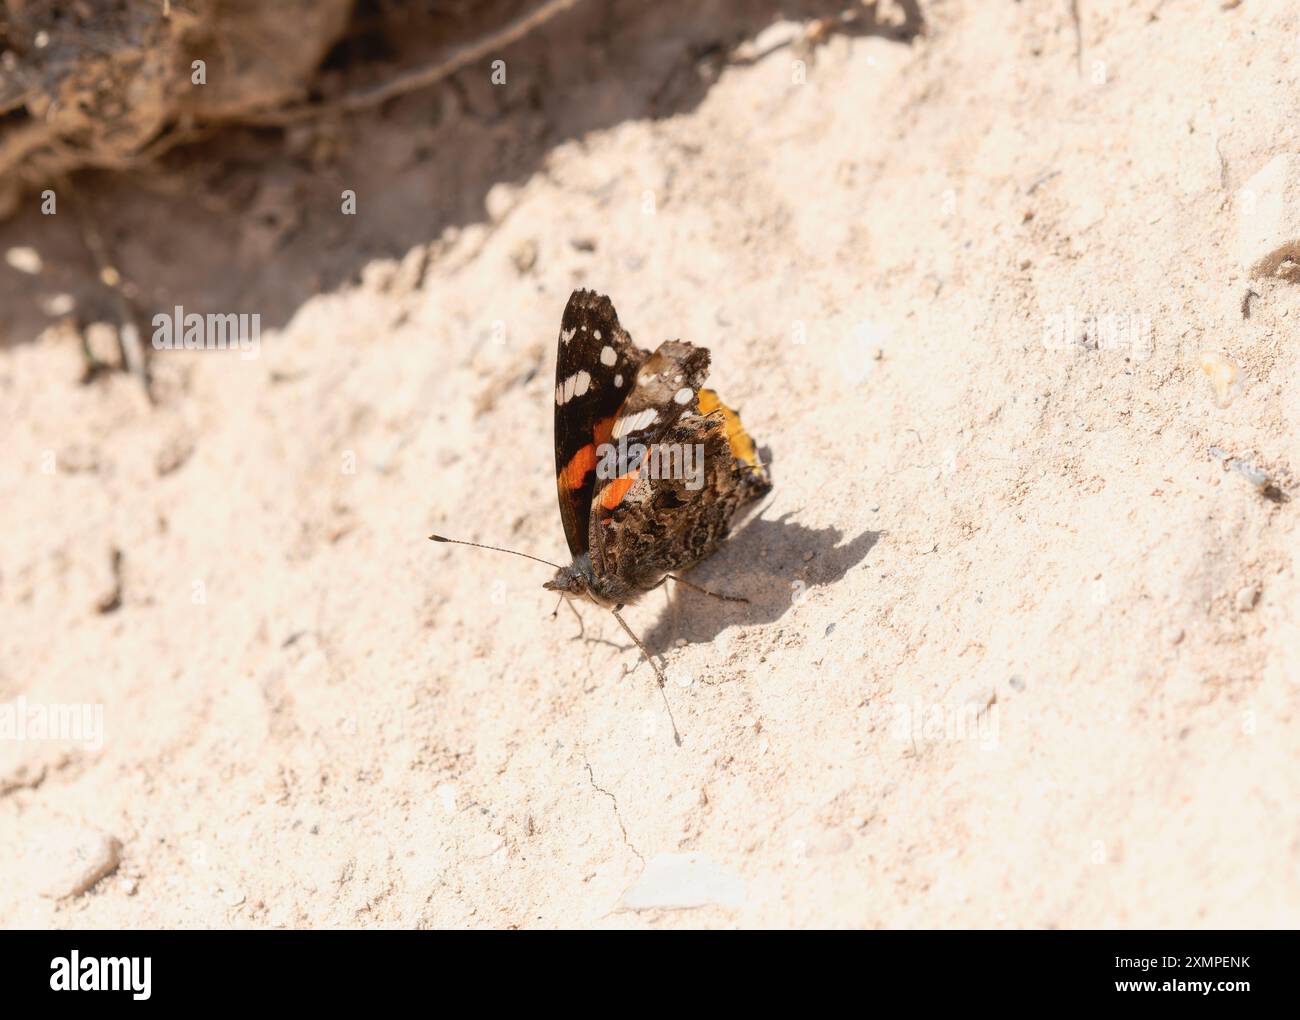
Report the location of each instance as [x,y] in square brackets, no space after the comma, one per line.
[1268,217]
[676,881]
[25,260]
[70,861]
[498,201]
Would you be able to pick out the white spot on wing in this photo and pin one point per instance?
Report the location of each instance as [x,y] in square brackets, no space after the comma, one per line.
[566,335]
[569,384]
[634,423]
[607,355]
[582,383]
[683,396]
[618,379]
[596,334]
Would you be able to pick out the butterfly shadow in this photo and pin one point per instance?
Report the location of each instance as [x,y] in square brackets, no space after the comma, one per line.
[771,562]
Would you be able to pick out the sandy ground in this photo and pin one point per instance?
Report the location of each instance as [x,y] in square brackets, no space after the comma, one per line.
[1020,651]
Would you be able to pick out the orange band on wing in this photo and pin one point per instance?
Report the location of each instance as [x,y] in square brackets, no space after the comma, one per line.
[576,471]
[604,429]
[742,447]
[617,489]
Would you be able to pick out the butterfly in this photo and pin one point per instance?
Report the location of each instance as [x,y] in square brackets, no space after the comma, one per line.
[651,467]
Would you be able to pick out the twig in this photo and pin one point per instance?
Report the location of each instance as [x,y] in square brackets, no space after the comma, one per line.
[421,77]
[26,143]
[134,360]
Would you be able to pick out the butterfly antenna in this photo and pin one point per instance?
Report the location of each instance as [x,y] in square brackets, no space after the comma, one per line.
[677,737]
[494,548]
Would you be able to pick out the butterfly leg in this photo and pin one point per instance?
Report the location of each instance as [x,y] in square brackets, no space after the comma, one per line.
[705,591]
[677,737]
[582,627]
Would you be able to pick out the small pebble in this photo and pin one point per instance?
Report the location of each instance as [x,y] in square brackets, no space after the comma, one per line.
[56,305]
[1268,225]
[25,260]
[524,256]
[1246,598]
[499,200]
[1259,479]
[72,861]
[1224,375]
[679,881]
[173,452]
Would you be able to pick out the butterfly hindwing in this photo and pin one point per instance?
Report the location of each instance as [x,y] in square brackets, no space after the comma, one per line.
[667,387]
[669,521]
[595,366]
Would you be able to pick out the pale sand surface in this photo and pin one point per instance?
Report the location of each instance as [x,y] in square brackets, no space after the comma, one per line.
[999,668]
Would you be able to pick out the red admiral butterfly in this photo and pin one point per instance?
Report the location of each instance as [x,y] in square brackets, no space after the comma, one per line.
[651,467]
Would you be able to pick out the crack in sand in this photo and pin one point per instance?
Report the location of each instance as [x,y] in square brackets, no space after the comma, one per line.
[618,815]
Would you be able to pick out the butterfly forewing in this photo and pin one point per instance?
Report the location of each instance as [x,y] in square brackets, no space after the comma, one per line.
[595,366]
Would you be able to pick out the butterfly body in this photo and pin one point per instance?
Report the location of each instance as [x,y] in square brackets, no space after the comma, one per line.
[579,580]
